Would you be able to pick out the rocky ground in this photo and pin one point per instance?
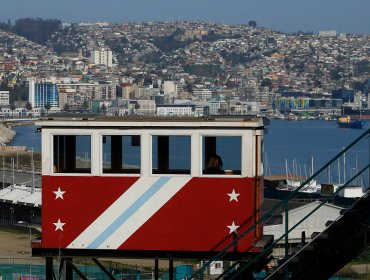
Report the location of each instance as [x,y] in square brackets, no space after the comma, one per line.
[6,134]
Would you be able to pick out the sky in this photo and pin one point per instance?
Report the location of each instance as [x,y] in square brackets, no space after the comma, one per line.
[348,16]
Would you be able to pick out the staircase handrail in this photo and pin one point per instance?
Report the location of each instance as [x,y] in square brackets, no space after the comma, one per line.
[277,206]
[271,246]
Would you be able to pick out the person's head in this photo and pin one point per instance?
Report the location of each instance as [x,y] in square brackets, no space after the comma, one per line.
[215,162]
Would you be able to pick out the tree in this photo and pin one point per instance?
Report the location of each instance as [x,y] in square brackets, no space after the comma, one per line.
[47,107]
[252,23]
[85,105]
[189,87]
[28,106]
[36,30]
[267,83]
[66,107]
[336,73]
[363,67]
[206,70]
[103,109]
[232,110]
[12,108]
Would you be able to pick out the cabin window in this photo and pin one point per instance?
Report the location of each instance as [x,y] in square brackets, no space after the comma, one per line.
[72,153]
[171,154]
[222,155]
[121,154]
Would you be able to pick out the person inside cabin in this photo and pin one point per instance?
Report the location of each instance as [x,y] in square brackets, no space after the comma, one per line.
[214,165]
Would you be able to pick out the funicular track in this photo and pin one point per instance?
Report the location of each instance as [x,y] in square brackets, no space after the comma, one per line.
[327,252]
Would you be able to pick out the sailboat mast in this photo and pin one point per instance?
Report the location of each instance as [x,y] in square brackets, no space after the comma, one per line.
[311,165]
[338,170]
[286,169]
[344,168]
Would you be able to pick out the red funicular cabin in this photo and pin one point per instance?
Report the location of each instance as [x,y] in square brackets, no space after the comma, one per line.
[142,187]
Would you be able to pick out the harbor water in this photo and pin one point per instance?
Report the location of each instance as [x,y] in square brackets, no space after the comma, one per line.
[304,142]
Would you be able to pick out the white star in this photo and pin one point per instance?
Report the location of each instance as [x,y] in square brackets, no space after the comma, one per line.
[233,196]
[59,193]
[59,225]
[233,228]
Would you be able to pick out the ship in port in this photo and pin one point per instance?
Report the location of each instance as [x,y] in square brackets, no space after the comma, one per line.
[356,114]
[347,122]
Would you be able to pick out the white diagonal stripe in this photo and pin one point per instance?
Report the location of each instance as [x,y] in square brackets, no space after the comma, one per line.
[129,212]
[144,213]
[106,218]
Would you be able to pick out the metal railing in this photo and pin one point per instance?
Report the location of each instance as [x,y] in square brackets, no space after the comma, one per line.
[333,182]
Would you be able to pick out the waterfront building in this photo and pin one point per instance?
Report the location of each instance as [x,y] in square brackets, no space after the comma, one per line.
[41,94]
[4,98]
[102,57]
[202,94]
[178,110]
[308,105]
[314,223]
[218,107]
[146,107]
[5,111]
[248,108]
[148,92]
[347,95]
[130,91]
[75,95]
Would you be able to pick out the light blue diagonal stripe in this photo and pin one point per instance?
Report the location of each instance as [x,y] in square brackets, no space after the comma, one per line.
[128,213]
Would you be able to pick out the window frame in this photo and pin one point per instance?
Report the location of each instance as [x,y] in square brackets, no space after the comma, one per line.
[169,134]
[224,134]
[77,133]
[101,153]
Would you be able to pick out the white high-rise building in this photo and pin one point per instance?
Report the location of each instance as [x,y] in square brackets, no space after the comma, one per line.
[169,91]
[4,98]
[102,57]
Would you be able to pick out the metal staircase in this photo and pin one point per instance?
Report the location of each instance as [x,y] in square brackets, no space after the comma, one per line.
[329,250]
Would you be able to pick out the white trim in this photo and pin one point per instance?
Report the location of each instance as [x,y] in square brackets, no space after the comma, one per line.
[243,166]
[167,133]
[73,132]
[247,149]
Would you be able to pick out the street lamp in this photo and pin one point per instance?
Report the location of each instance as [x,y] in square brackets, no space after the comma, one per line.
[30,237]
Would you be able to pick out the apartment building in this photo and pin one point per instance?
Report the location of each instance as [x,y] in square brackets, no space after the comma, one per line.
[169,91]
[75,95]
[218,107]
[4,98]
[202,94]
[102,57]
[178,110]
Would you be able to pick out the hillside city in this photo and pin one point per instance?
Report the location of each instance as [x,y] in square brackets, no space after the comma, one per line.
[127,194]
[180,69]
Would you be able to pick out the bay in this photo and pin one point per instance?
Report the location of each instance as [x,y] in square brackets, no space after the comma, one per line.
[301,141]
[26,135]
[285,141]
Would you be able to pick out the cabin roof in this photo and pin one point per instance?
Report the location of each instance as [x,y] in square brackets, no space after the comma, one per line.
[96,120]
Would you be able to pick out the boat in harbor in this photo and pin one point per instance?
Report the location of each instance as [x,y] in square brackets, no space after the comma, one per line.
[347,122]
